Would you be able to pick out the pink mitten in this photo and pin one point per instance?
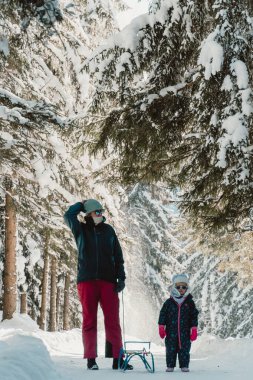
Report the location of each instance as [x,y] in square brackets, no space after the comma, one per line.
[162,331]
[194,334]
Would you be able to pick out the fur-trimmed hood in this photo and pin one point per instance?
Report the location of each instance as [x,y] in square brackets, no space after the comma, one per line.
[182,277]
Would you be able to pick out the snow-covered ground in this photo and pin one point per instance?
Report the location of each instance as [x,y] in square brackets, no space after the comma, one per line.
[27,353]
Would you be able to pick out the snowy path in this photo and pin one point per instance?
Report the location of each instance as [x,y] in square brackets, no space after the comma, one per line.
[27,353]
[201,368]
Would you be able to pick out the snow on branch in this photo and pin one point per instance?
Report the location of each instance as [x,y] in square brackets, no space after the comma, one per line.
[27,110]
[133,37]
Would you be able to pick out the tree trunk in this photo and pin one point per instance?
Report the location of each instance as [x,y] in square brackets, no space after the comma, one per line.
[23,303]
[34,314]
[43,308]
[207,4]
[52,316]
[250,5]
[9,275]
[66,303]
[58,302]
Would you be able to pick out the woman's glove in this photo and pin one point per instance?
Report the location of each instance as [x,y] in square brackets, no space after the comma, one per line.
[194,334]
[162,331]
[120,285]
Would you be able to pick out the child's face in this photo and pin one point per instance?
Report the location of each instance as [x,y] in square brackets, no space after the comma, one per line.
[181,287]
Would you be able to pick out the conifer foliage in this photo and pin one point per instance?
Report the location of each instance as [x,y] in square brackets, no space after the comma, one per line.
[46,11]
[177,83]
[164,99]
[219,171]
[40,88]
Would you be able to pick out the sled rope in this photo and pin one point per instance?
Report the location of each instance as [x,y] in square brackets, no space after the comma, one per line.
[129,354]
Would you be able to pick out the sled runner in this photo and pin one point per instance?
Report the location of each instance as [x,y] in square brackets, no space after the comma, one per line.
[141,349]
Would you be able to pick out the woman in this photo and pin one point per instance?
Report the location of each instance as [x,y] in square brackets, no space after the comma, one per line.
[101,276]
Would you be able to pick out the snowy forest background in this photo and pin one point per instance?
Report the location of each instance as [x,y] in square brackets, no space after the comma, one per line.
[167,106]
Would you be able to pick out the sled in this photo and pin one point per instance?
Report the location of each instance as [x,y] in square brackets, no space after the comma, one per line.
[140,349]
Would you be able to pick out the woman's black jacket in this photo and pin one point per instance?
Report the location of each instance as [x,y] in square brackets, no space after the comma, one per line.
[99,252]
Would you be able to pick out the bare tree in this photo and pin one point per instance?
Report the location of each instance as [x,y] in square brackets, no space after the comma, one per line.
[66,303]
[43,308]
[53,291]
[9,276]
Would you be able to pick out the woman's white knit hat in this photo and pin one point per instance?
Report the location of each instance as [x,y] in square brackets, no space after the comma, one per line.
[180,278]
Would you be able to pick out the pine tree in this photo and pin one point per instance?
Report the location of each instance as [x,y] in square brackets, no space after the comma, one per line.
[250,5]
[218,175]
[9,274]
[66,302]
[53,293]
[44,284]
[42,89]
[172,109]
[142,79]
[23,303]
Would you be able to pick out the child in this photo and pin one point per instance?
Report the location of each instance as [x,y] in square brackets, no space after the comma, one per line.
[178,322]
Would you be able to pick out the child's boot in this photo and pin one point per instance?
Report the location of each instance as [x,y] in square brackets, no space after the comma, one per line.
[169,369]
[185,369]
